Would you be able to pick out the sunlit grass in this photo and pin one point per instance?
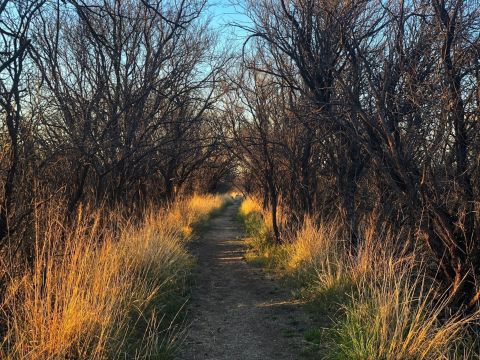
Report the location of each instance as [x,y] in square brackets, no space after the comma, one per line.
[193,210]
[250,206]
[101,289]
[394,316]
[259,228]
[379,300]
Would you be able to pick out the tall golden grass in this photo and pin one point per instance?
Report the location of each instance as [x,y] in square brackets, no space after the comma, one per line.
[249,206]
[396,315]
[387,306]
[197,208]
[102,288]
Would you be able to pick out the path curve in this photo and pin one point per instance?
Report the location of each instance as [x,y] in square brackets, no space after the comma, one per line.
[237,311]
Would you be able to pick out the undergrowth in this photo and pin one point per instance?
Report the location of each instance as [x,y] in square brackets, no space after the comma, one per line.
[379,301]
[261,248]
[106,287]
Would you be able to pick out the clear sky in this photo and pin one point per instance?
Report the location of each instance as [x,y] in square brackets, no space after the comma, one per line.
[223,13]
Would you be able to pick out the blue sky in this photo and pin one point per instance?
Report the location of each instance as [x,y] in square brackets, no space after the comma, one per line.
[223,13]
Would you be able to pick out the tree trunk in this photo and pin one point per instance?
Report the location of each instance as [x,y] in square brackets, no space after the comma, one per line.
[6,207]
[274,208]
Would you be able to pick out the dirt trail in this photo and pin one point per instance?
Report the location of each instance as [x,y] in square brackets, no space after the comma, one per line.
[237,311]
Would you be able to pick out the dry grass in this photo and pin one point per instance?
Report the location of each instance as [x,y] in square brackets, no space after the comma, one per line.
[386,308]
[256,221]
[101,289]
[249,206]
[393,315]
[187,213]
[258,225]
[316,258]
[389,310]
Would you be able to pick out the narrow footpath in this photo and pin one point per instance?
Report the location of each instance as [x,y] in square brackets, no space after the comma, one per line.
[237,312]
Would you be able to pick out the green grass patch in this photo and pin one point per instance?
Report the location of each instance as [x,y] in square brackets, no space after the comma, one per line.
[166,328]
[262,250]
[314,336]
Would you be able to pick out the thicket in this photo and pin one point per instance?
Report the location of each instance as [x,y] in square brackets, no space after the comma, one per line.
[106,103]
[360,110]
[356,124]
[106,128]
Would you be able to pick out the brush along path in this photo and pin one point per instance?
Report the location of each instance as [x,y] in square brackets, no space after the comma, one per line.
[238,312]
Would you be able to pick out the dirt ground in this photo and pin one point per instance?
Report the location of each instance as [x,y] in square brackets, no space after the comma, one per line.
[237,311]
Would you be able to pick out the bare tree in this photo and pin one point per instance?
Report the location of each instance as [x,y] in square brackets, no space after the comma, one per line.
[304,40]
[127,82]
[389,94]
[15,23]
